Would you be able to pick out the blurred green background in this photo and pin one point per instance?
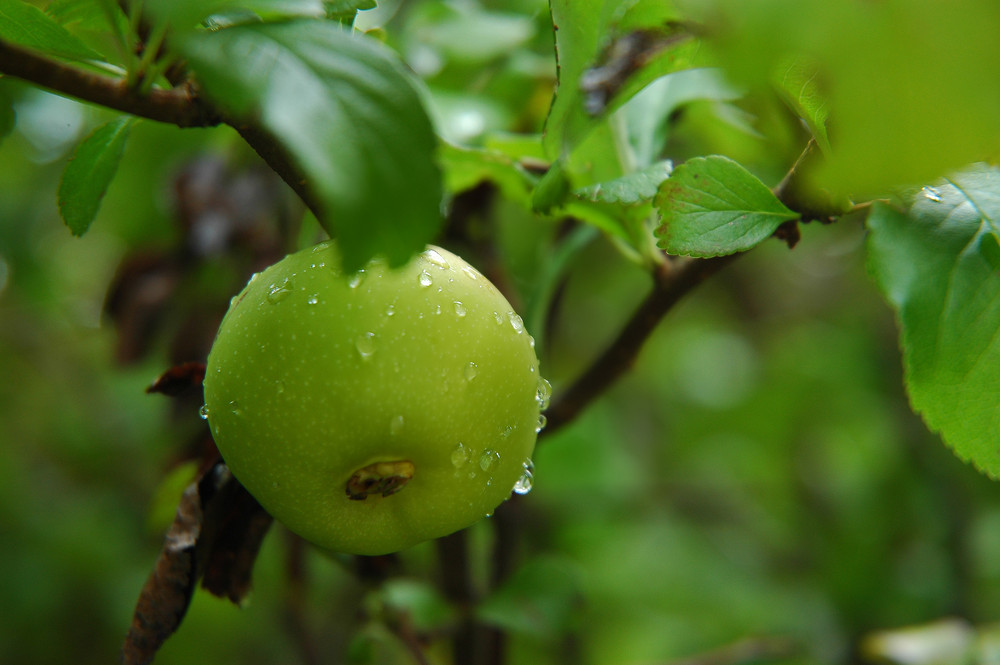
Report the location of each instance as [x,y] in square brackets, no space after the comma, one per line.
[758,479]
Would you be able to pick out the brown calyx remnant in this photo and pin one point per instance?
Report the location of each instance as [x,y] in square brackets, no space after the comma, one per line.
[383,478]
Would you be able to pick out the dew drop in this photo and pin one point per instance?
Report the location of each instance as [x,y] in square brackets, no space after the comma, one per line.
[542,422]
[471,371]
[489,459]
[278,292]
[932,194]
[396,425]
[506,432]
[516,322]
[365,344]
[313,299]
[470,272]
[460,310]
[235,407]
[356,279]
[437,309]
[390,310]
[531,341]
[527,479]
[498,317]
[543,394]
[253,278]
[279,386]
[434,257]
[459,456]
[424,279]
[203,412]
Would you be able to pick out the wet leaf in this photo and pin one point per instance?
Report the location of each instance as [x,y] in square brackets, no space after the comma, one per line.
[938,265]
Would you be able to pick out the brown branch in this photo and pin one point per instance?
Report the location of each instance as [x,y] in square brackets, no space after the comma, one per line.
[672,282]
[178,106]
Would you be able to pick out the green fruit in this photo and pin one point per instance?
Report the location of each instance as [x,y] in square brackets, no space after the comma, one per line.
[375,410]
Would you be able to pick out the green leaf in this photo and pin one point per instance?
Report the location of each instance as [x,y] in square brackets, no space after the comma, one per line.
[348,114]
[798,85]
[90,171]
[464,168]
[604,54]
[631,188]
[26,25]
[712,206]
[937,264]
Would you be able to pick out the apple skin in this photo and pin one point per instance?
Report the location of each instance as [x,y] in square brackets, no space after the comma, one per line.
[325,391]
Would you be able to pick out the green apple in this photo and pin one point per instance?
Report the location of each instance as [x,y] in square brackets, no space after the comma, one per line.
[372,411]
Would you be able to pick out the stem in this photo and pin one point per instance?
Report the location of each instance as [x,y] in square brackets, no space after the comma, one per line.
[672,281]
[179,106]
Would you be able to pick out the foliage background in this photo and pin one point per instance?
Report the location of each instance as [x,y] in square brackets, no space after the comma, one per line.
[759,475]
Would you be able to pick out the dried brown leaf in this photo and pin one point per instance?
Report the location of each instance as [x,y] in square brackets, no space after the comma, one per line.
[217,533]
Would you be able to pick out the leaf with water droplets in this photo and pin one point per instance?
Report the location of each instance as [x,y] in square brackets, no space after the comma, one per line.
[938,264]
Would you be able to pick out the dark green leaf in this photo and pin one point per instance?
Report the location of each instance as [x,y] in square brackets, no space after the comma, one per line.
[90,171]
[551,191]
[348,114]
[26,25]
[937,264]
[632,188]
[712,206]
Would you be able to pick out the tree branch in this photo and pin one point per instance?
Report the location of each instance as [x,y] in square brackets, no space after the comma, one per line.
[672,281]
[178,106]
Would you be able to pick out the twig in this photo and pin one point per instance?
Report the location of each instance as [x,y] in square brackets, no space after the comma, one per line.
[672,281]
[178,106]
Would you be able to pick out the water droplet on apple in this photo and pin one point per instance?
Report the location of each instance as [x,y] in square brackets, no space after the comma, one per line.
[365,344]
[471,371]
[390,310]
[459,310]
[527,479]
[424,279]
[459,456]
[278,292]
[437,309]
[235,407]
[498,317]
[434,257]
[313,299]
[506,432]
[488,459]
[470,272]
[543,394]
[356,279]
[203,412]
[396,425]
[542,422]
[516,322]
